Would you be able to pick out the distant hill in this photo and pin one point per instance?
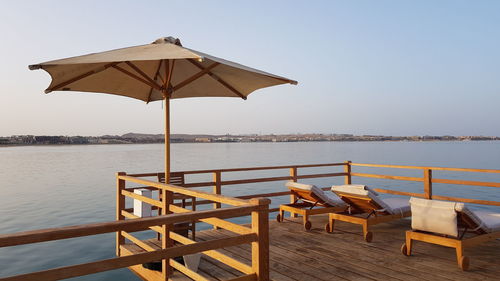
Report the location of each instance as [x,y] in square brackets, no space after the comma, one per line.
[142,136]
[161,136]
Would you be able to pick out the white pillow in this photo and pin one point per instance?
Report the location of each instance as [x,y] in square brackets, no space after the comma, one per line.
[434,216]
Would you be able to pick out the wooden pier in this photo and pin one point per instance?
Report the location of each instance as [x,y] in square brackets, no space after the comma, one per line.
[296,254]
[267,250]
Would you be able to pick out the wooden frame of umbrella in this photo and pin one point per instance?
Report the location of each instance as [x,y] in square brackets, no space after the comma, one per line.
[161,82]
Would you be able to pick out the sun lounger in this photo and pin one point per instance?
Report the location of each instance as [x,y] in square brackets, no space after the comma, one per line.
[309,200]
[366,208]
[446,223]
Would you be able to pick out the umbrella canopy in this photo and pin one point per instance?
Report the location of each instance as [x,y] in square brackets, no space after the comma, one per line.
[149,71]
[162,70]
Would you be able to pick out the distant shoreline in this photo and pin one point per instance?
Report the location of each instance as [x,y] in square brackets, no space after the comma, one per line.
[134,138]
[138,143]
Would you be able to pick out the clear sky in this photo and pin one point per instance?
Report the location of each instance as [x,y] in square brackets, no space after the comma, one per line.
[364,67]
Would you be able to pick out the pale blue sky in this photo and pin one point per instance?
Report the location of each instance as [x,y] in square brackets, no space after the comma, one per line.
[364,67]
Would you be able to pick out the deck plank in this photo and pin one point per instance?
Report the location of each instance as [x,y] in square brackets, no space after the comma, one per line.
[329,270]
[244,257]
[297,267]
[296,254]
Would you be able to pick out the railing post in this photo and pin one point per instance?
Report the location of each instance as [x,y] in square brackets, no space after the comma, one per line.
[293,174]
[120,205]
[217,186]
[347,170]
[260,248]
[166,241]
[217,189]
[428,183]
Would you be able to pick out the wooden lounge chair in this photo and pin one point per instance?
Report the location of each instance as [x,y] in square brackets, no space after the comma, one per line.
[367,208]
[447,224]
[309,200]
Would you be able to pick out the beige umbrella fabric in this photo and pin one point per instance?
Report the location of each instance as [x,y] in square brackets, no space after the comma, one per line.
[141,72]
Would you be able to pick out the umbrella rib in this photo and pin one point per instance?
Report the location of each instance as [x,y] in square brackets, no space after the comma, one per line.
[293,82]
[196,76]
[79,77]
[167,86]
[167,71]
[156,76]
[138,70]
[218,79]
[153,85]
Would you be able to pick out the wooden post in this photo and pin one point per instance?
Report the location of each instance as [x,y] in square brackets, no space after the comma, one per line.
[217,187]
[428,183]
[217,190]
[347,170]
[167,139]
[167,196]
[166,241]
[120,205]
[260,248]
[293,174]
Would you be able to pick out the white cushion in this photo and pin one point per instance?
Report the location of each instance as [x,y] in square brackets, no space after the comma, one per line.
[487,221]
[330,199]
[397,205]
[299,185]
[393,206]
[333,199]
[491,221]
[350,187]
[434,216]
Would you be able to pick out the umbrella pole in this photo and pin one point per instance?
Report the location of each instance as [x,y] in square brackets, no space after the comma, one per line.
[167,139]
[167,196]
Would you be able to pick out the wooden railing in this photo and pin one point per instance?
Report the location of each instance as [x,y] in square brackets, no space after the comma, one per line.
[348,173]
[174,245]
[217,183]
[250,236]
[428,180]
[257,234]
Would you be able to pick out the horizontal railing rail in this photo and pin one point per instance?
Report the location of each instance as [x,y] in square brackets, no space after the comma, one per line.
[182,190]
[126,261]
[243,169]
[495,171]
[51,234]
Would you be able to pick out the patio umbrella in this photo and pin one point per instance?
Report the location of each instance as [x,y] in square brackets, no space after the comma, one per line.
[162,70]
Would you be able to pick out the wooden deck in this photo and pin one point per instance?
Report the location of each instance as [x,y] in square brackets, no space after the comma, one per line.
[296,254]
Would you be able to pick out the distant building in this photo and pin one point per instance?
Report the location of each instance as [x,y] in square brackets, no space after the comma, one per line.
[202,140]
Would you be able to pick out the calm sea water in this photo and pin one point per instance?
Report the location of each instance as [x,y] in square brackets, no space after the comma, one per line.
[50,186]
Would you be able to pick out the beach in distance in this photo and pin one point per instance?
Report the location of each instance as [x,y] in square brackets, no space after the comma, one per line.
[50,186]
